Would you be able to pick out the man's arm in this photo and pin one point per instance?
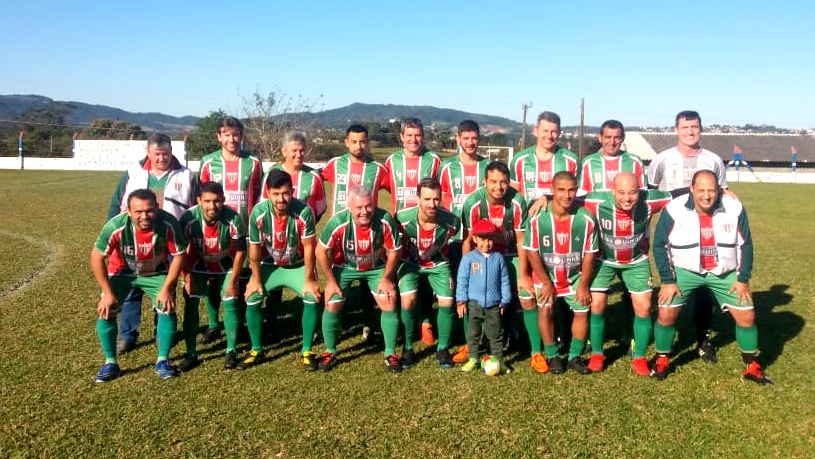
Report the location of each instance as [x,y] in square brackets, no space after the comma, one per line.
[107,302]
[583,294]
[323,255]
[547,293]
[254,285]
[166,296]
[524,276]
[310,286]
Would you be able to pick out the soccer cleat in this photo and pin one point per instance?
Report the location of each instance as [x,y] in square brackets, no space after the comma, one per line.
[472,364]
[597,363]
[393,363]
[124,346]
[188,363]
[555,365]
[579,365]
[461,354]
[707,352]
[251,360]
[164,370]
[443,358]
[538,363]
[210,336]
[640,366]
[754,373]
[661,368]
[230,360]
[309,360]
[427,334]
[108,372]
[327,361]
[407,359]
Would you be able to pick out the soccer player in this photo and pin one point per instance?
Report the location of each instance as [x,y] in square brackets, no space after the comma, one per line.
[599,169]
[239,173]
[408,166]
[361,242]
[561,244]
[461,175]
[703,239]
[672,170]
[281,254]
[623,217]
[533,169]
[356,167]
[307,183]
[136,245]
[216,252]
[497,202]
[175,187]
[426,230]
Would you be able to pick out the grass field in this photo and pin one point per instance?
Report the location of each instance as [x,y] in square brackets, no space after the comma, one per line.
[51,408]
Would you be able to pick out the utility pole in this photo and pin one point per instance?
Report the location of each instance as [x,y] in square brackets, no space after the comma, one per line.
[524,107]
[580,146]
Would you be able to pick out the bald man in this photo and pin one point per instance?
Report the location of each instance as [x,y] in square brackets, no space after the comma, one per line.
[623,216]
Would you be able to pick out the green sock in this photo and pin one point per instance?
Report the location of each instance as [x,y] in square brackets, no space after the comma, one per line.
[106,331]
[212,312]
[331,323]
[642,335]
[551,350]
[597,329]
[190,324]
[444,323]
[664,337]
[531,325]
[165,332]
[747,338]
[409,321]
[230,325]
[254,322]
[576,348]
[389,322]
[309,322]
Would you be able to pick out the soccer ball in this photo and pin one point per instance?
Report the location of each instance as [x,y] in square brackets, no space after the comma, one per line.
[490,366]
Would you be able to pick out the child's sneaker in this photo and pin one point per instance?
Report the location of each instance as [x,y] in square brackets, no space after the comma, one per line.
[472,364]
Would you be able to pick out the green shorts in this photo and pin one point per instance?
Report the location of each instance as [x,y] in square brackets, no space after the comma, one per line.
[513,264]
[568,296]
[274,277]
[688,282]
[205,283]
[438,277]
[345,277]
[151,285]
[636,277]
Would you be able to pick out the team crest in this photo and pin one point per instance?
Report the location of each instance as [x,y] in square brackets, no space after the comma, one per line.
[707,233]
[612,175]
[562,238]
[728,227]
[623,224]
[426,242]
[280,237]
[364,244]
[499,222]
[545,176]
[231,177]
[411,174]
[211,242]
[144,248]
[470,180]
[356,179]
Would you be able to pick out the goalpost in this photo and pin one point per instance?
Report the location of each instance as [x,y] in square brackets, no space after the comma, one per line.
[496,153]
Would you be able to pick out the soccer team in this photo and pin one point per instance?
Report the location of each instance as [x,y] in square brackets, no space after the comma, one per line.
[492,241]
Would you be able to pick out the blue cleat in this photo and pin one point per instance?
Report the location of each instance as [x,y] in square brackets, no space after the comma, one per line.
[107,373]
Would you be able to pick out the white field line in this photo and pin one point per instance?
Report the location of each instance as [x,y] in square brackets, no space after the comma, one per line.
[53,252]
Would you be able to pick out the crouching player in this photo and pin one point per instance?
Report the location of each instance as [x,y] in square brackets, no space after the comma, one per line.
[281,254]
[216,252]
[623,219]
[703,240]
[137,245]
[561,245]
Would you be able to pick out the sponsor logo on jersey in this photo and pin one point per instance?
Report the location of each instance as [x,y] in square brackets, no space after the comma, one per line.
[145,247]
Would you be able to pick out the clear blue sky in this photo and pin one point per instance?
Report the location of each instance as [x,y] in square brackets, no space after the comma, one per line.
[636,61]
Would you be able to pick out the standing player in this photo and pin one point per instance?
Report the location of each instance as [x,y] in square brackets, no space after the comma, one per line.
[598,170]
[533,169]
[703,239]
[460,176]
[240,174]
[623,217]
[561,244]
[497,202]
[216,252]
[137,245]
[281,254]
[672,170]
[361,242]
[175,187]
[427,228]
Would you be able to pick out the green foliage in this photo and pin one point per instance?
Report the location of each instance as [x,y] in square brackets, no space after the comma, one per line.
[204,139]
[108,129]
[49,353]
[46,130]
